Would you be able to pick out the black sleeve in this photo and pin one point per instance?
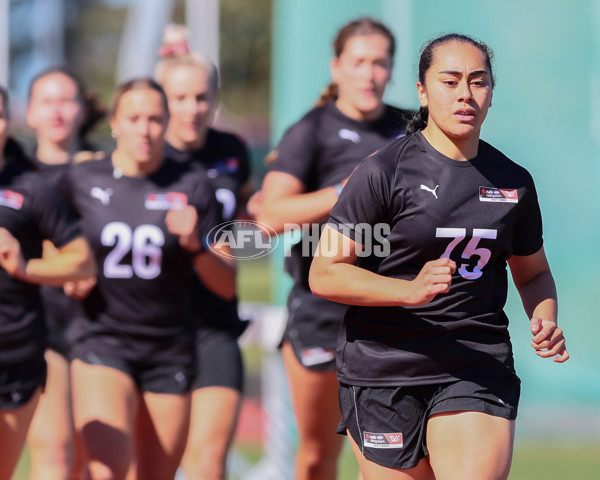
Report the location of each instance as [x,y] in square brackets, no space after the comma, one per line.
[54,219]
[244,157]
[297,149]
[64,185]
[528,235]
[366,198]
[209,209]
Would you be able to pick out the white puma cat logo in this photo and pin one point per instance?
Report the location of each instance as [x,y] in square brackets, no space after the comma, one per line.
[102,195]
[351,135]
[425,187]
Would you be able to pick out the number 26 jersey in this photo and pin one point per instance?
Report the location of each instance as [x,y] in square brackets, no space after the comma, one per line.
[143,274]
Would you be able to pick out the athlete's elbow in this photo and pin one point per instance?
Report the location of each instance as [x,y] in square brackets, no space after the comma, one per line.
[318,281]
[271,220]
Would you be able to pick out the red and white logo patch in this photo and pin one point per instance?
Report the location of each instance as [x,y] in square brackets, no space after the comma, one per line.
[166,201]
[11,199]
[316,356]
[383,440]
[503,195]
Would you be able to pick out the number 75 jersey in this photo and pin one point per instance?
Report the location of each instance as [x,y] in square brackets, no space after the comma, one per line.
[477,213]
[143,273]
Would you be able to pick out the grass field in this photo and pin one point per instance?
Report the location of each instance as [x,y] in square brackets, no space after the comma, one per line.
[532,461]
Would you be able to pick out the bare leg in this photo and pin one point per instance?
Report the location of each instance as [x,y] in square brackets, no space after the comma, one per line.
[161,434]
[481,445]
[316,406]
[215,412]
[50,437]
[105,405]
[13,431]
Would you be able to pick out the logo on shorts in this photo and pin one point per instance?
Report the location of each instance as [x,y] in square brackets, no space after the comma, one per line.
[383,440]
[503,195]
[316,356]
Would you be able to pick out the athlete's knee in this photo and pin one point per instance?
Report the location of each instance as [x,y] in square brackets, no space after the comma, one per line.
[53,451]
[107,471]
[318,461]
[205,463]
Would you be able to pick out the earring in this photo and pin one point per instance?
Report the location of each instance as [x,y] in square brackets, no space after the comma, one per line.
[114,134]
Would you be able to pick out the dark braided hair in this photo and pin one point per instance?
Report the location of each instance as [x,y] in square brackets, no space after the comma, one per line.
[419,120]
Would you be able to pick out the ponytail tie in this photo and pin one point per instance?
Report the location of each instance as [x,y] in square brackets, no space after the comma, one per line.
[175,49]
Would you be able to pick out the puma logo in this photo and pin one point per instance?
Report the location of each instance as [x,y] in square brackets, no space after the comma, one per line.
[102,195]
[425,187]
[351,135]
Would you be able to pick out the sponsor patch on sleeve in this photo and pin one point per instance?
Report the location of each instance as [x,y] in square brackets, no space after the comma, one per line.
[493,194]
[11,199]
[382,440]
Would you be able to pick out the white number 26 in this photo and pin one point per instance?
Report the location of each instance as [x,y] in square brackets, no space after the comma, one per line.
[458,235]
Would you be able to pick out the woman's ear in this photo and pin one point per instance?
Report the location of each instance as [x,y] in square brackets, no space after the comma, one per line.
[422,94]
[334,69]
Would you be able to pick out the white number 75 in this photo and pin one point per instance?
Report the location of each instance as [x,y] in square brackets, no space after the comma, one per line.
[458,235]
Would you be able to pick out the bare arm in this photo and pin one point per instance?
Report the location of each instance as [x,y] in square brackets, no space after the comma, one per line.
[533,279]
[284,200]
[216,270]
[334,276]
[72,261]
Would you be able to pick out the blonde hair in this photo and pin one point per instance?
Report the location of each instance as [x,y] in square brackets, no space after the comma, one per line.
[175,53]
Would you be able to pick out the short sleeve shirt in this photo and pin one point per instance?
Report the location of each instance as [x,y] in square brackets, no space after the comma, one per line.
[410,204]
[143,273]
[32,211]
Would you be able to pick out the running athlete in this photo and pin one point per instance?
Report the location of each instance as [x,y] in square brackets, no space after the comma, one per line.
[314,159]
[147,219]
[31,211]
[60,114]
[428,387]
[191,84]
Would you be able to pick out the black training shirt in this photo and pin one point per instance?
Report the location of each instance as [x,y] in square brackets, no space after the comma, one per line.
[225,158]
[32,211]
[478,213]
[143,273]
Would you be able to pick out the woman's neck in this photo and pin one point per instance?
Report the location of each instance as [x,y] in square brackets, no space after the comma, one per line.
[179,144]
[56,154]
[457,149]
[350,111]
[128,166]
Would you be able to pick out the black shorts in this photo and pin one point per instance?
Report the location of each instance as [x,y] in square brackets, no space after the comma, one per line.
[156,377]
[218,359]
[57,311]
[19,381]
[312,329]
[389,423]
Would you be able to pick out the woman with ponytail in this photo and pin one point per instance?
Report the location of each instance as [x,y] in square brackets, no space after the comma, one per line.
[61,113]
[31,213]
[190,81]
[428,387]
[312,164]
